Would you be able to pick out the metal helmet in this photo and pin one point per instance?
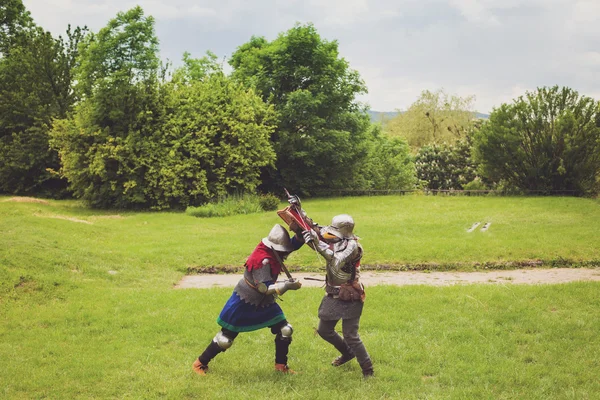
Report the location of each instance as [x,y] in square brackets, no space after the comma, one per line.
[341,226]
[278,239]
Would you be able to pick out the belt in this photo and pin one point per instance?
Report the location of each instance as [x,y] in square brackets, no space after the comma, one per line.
[250,284]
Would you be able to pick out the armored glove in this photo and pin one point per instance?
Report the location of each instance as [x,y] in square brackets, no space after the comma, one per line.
[294,200]
[312,239]
[280,287]
[293,284]
[310,236]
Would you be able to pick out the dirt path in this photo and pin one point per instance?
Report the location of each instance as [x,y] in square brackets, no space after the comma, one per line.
[519,276]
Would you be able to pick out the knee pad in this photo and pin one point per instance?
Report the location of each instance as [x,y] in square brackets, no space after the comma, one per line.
[285,333]
[223,341]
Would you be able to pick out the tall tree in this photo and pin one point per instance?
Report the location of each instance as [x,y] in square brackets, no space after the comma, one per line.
[138,140]
[120,109]
[435,118]
[388,166]
[548,139]
[320,139]
[35,87]
[15,20]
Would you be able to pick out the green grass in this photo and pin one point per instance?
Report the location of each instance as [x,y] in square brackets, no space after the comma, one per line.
[228,206]
[477,342]
[87,310]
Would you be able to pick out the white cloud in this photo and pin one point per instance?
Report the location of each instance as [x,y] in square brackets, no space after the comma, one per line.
[493,49]
[475,11]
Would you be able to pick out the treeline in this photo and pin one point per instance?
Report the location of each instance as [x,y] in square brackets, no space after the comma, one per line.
[98,116]
[546,141]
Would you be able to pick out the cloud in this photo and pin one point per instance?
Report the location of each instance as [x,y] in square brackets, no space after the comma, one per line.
[493,49]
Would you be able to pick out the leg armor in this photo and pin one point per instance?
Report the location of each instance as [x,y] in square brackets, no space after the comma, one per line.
[219,344]
[222,341]
[286,331]
[283,339]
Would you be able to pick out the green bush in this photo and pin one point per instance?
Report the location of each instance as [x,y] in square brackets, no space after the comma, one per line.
[230,205]
[547,140]
[269,202]
[138,141]
[475,184]
[446,166]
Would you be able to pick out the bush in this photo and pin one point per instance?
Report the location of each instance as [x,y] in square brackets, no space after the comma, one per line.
[446,166]
[388,165]
[547,140]
[475,184]
[269,202]
[230,205]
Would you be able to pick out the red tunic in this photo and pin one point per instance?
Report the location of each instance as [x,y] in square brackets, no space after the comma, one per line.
[255,260]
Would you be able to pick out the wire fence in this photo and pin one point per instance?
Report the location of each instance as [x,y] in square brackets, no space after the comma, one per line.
[444,192]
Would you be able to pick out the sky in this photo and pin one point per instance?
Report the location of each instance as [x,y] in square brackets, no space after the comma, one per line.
[495,50]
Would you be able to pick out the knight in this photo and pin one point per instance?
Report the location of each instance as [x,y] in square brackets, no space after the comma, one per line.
[252,304]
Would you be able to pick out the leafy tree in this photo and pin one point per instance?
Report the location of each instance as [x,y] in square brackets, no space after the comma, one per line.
[320,140]
[137,140]
[15,20]
[446,166]
[548,139]
[435,118]
[104,146]
[388,166]
[217,139]
[35,87]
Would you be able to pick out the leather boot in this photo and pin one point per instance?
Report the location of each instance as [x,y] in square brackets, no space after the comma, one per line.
[199,368]
[283,368]
[343,359]
[367,373]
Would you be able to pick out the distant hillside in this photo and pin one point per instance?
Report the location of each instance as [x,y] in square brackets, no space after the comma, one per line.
[383,116]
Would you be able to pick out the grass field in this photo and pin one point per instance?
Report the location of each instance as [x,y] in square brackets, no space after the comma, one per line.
[87,308]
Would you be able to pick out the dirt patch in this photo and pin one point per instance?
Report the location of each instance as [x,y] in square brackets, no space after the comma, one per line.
[370,278]
[72,219]
[27,200]
[101,217]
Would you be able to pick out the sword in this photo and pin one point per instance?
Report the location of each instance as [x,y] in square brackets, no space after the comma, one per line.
[283,267]
[314,279]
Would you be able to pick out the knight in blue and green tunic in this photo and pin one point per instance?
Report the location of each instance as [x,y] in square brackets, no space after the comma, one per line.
[252,304]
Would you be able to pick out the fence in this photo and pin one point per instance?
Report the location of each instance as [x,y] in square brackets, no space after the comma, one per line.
[443,192]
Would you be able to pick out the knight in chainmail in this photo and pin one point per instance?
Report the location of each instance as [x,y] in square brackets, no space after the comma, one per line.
[252,304]
[340,248]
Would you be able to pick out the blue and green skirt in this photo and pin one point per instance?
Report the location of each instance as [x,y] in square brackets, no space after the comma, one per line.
[239,316]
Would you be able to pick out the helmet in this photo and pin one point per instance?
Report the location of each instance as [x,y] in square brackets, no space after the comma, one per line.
[341,227]
[278,239]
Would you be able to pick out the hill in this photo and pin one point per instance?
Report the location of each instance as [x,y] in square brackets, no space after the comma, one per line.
[383,116]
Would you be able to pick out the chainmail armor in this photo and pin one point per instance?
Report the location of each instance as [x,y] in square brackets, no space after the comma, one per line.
[251,295]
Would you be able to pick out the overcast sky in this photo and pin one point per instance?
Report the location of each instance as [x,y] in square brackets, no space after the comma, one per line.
[493,49]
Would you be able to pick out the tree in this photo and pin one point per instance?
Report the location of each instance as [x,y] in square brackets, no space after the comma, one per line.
[15,20]
[105,144]
[216,141]
[136,140]
[446,166]
[548,139]
[35,87]
[388,165]
[320,140]
[435,118]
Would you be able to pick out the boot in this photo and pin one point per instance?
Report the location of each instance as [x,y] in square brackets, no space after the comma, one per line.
[367,373]
[343,359]
[199,368]
[283,368]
